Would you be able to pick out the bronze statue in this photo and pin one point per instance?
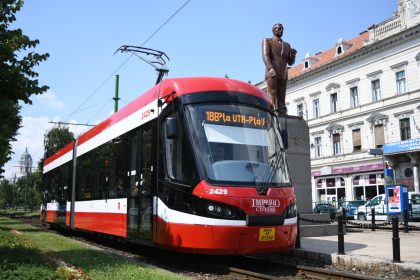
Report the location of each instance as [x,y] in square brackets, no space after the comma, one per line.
[277,54]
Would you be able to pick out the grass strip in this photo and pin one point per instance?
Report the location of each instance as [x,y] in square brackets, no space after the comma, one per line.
[27,252]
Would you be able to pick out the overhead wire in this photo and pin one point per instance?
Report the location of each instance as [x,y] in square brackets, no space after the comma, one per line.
[125,61]
[97,112]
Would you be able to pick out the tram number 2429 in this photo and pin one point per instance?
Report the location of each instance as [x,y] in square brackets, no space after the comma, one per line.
[218,191]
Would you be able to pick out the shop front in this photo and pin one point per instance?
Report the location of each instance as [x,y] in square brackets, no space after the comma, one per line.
[361,182]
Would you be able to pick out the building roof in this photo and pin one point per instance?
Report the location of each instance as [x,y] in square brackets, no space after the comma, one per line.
[329,56]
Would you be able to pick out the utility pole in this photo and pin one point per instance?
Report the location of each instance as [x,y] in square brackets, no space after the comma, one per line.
[25,166]
[13,191]
[116,98]
[26,186]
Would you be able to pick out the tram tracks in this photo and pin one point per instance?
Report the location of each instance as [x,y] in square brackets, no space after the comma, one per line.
[273,269]
[208,267]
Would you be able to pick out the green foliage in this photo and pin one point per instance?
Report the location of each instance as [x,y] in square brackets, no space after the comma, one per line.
[36,254]
[18,80]
[18,260]
[6,194]
[13,195]
[55,139]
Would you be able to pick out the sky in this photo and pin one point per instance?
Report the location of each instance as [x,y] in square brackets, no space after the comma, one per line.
[205,38]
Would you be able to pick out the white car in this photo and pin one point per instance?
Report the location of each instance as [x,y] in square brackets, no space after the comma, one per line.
[364,212]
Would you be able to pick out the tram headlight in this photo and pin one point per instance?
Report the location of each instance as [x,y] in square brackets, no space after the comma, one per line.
[221,210]
[228,212]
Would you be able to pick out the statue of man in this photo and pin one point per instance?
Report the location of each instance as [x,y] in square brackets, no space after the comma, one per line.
[277,54]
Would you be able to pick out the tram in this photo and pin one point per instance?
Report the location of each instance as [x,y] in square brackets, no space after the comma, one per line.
[193,165]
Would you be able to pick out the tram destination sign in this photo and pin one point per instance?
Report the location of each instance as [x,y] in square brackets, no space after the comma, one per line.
[402,146]
[235,119]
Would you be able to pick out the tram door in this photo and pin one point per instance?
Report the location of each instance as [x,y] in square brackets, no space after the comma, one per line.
[140,185]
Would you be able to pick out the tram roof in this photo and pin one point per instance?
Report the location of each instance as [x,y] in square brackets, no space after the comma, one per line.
[178,86]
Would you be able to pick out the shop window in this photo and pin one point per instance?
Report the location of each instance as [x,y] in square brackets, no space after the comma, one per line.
[330,182]
[372,179]
[368,186]
[319,184]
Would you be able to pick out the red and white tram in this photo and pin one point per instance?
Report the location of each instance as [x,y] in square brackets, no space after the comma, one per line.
[194,165]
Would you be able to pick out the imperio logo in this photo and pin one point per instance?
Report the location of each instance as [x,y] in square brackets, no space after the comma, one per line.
[265,205]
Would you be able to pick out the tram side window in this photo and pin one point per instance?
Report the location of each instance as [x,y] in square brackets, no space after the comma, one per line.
[116,177]
[93,174]
[178,155]
[101,171]
[65,182]
[52,184]
[83,182]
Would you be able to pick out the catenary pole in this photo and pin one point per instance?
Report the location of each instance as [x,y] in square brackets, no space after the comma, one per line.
[116,98]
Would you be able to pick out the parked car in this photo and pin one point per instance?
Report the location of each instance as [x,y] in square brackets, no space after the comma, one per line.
[351,207]
[414,199]
[325,208]
[364,212]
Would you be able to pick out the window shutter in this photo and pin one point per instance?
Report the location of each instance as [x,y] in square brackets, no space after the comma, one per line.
[379,135]
[356,138]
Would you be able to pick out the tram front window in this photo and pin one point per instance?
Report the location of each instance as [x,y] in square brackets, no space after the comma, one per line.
[238,143]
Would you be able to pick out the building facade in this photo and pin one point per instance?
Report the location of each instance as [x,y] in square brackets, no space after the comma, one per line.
[362,94]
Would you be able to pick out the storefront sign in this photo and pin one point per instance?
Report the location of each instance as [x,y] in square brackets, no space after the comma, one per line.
[347,169]
[402,146]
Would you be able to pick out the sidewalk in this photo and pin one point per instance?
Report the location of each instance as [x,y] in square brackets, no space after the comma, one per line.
[364,248]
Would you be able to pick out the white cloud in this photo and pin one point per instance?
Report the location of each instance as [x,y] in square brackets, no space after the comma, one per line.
[31,136]
[51,100]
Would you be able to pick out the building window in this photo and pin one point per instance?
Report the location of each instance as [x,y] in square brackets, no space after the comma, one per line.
[334,102]
[300,110]
[367,186]
[336,143]
[376,90]
[405,133]
[315,104]
[331,189]
[379,135]
[357,140]
[318,147]
[401,82]
[354,97]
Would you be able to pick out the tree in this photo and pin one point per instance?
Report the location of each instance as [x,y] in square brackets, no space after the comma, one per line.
[55,139]
[18,80]
[6,194]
